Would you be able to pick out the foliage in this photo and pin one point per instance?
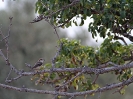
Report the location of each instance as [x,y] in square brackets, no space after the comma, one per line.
[73,54]
[110,16]
[73,65]
[111,19]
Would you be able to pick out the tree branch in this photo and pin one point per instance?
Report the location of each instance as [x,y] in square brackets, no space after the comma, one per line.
[41,17]
[102,89]
[85,69]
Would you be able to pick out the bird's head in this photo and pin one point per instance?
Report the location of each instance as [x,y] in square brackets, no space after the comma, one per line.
[41,60]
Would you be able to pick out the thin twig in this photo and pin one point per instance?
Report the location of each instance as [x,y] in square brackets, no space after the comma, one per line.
[121,38]
[54,12]
[9,32]
[106,65]
[12,79]
[56,55]
[28,65]
[118,90]
[10,65]
[8,75]
[55,31]
[78,74]
[99,95]
[95,79]
[71,97]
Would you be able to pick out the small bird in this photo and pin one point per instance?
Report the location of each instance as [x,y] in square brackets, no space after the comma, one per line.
[38,63]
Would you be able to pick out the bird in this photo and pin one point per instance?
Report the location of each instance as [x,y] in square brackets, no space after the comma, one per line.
[38,63]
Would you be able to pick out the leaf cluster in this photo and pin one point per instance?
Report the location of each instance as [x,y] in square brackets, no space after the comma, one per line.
[111,19]
[75,55]
[109,16]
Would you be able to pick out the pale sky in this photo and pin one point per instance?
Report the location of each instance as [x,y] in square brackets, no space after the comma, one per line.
[2,4]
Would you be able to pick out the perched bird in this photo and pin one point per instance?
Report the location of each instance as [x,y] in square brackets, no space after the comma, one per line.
[38,63]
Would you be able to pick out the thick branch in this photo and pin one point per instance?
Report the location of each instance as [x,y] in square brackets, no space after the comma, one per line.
[102,89]
[127,36]
[85,69]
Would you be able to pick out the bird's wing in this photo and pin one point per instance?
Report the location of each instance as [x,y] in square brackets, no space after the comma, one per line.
[37,64]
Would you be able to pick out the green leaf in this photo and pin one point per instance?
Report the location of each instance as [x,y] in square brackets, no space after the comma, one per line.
[123,14]
[52,76]
[82,22]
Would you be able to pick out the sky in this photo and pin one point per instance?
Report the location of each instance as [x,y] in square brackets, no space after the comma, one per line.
[73,30]
[2,4]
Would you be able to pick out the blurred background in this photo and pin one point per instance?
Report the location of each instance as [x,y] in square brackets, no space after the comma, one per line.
[29,42]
